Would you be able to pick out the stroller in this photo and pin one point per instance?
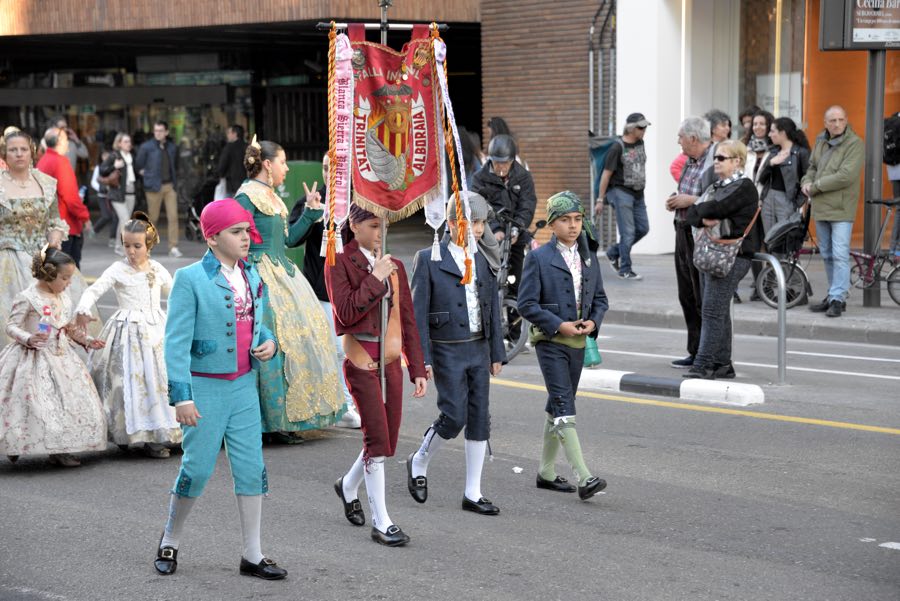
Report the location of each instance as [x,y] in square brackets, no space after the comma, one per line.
[785,240]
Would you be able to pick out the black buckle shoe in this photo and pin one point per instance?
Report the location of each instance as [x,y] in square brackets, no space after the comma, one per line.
[166,561]
[559,484]
[591,488]
[394,537]
[265,569]
[352,510]
[481,507]
[418,485]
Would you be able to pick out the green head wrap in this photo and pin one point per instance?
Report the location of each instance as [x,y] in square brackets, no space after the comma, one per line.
[565,202]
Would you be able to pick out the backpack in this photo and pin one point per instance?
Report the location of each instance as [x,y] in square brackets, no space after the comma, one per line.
[892,140]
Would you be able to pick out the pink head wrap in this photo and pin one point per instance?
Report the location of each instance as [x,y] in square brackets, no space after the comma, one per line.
[222,214]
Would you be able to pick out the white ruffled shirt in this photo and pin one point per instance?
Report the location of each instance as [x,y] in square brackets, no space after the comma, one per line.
[472,305]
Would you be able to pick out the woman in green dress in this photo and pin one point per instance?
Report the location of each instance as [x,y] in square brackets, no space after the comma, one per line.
[299,389]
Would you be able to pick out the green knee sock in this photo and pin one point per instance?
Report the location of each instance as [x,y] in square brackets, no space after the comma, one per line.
[568,437]
[548,452]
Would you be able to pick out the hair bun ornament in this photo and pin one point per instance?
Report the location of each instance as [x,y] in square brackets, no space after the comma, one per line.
[254,143]
[44,252]
[251,160]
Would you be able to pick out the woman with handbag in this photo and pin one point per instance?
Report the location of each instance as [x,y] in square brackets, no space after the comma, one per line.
[117,174]
[725,241]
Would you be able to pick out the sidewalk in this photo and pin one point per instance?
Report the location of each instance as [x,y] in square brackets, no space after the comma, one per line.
[652,301]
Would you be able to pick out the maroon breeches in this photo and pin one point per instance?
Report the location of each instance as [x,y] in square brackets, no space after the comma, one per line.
[380,420]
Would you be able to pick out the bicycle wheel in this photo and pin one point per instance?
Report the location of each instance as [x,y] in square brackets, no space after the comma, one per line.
[893,284]
[795,285]
[515,328]
[861,276]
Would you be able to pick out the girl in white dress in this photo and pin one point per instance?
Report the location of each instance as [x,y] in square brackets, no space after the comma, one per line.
[130,373]
[48,403]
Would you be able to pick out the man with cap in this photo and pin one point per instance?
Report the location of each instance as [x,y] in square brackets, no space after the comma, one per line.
[506,184]
[622,186]
[562,297]
[459,325]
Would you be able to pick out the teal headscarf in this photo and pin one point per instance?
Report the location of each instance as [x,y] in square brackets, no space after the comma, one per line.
[565,202]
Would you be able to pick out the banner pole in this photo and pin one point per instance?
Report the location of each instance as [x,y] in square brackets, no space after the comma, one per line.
[385,5]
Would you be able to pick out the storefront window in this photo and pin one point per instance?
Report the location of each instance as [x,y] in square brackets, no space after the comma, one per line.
[771,56]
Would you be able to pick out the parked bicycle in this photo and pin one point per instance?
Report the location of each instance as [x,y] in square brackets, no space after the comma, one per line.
[513,325]
[786,239]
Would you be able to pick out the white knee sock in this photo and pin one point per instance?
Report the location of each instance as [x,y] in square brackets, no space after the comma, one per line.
[354,478]
[430,445]
[475,450]
[250,508]
[375,490]
[179,508]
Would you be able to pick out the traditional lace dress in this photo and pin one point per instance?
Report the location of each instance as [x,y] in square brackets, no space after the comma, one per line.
[299,388]
[48,402]
[24,226]
[130,371]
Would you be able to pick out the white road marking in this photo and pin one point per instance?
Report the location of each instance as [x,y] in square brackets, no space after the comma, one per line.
[843,356]
[895,546]
[766,365]
[867,540]
[43,595]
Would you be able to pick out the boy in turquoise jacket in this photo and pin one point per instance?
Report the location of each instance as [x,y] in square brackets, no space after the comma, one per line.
[214,341]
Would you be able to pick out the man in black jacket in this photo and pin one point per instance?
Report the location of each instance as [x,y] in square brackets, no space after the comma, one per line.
[231,161]
[506,184]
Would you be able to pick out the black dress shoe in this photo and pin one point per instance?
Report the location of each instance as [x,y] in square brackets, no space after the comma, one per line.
[418,485]
[482,506]
[725,372]
[394,537]
[559,484]
[166,561]
[265,569]
[698,372]
[835,308]
[820,307]
[683,363]
[352,510]
[591,488]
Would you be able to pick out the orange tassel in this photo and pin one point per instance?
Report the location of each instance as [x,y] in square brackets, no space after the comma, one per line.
[330,251]
[467,276]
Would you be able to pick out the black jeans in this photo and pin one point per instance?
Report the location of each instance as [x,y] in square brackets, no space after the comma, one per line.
[516,262]
[688,278]
[72,247]
[107,217]
[715,339]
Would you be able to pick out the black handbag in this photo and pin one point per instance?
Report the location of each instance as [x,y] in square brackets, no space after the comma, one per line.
[716,256]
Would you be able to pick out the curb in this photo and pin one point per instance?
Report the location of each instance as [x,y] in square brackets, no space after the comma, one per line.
[719,392]
[868,331]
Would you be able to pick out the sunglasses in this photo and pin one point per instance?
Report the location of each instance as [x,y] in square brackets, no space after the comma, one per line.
[722,158]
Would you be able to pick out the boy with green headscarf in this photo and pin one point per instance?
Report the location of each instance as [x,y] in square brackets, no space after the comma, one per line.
[562,296]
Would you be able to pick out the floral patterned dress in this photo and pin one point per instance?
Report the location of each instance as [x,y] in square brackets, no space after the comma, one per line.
[130,371]
[299,388]
[25,224]
[48,402]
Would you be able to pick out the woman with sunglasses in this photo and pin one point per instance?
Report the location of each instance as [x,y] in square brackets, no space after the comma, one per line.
[726,208]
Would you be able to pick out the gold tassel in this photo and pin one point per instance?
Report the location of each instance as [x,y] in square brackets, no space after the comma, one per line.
[462,233]
[330,257]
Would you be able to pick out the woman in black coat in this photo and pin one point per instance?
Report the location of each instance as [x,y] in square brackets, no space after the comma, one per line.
[729,206]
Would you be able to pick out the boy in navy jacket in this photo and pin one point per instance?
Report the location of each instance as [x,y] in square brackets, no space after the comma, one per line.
[562,296]
[459,325]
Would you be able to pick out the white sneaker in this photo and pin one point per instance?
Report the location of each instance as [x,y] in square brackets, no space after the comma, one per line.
[176,253]
[350,419]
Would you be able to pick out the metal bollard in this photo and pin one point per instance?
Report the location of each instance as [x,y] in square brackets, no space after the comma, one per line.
[782,312]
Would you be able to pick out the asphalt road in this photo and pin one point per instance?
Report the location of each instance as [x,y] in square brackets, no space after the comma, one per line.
[704,501]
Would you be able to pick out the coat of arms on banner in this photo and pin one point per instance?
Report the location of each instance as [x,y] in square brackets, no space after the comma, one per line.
[395,139]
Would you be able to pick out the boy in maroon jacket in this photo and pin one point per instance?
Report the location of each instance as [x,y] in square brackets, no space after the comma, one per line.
[356,285]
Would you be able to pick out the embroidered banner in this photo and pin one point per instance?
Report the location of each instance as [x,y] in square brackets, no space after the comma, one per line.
[343,129]
[395,142]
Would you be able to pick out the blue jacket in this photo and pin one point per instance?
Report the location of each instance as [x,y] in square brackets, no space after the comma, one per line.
[439,301]
[547,297]
[149,158]
[200,332]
